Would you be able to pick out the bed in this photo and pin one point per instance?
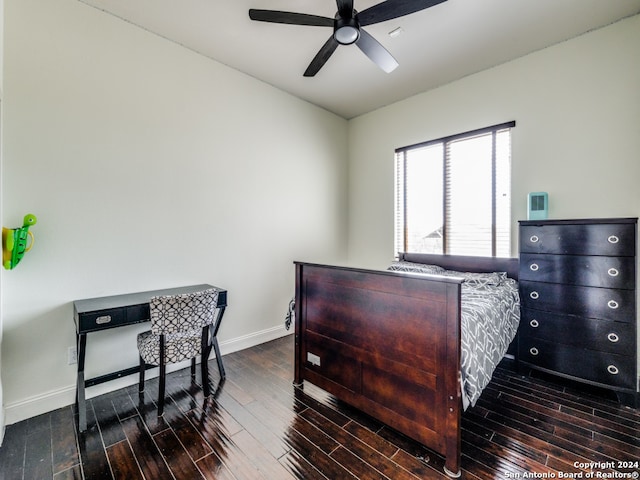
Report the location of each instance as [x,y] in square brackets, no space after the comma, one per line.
[402,344]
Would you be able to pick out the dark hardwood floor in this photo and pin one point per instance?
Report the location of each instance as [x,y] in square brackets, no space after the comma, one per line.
[258,426]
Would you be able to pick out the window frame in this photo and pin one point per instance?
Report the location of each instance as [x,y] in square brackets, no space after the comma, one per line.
[445,142]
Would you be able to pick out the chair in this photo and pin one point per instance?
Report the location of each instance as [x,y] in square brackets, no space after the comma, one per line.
[179,331]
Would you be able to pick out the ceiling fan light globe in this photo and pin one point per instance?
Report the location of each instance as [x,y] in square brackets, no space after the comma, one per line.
[346,35]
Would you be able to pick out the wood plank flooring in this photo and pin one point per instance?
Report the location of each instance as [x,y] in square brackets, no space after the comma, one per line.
[258,426]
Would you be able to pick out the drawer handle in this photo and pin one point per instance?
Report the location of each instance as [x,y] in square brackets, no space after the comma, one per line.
[534,239]
[533,351]
[535,295]
[613,239]
[613,272]
[534,323]
[534,267]
[613,338]
[612,304]
[103,319]
[613,370]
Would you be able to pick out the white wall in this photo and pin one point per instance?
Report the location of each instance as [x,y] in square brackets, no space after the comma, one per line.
[149,166]
[577,137]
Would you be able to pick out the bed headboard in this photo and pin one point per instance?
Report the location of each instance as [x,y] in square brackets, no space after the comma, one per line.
[465,263]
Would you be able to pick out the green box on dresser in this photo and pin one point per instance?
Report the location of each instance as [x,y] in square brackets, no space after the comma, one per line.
[578,298]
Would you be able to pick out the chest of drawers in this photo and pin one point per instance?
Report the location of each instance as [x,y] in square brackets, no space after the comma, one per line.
[578,298]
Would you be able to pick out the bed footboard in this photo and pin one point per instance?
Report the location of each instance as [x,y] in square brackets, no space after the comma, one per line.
[387,344]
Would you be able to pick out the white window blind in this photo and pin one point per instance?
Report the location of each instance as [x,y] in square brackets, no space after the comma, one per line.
[453,195]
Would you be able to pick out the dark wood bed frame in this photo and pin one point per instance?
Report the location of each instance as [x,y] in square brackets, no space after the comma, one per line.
[388,343]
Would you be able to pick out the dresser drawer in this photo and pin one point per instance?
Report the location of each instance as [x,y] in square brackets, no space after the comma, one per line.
[600,335]
[586,239]
[592,302]
[601,367]
[587,270]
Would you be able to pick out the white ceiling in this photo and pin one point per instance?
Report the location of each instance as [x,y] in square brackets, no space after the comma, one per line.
[438,45]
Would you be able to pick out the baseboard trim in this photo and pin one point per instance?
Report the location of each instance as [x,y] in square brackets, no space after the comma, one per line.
[62,397]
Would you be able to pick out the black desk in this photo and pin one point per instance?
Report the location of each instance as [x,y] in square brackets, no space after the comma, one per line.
[96,314]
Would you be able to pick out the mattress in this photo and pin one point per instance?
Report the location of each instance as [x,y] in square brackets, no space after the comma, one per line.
[489,321]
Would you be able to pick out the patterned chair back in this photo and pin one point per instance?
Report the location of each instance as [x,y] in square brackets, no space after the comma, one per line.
[186,312]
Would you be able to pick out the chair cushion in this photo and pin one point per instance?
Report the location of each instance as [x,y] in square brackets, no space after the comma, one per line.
[178,347]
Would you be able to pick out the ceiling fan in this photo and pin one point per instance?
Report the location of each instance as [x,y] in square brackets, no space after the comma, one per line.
[347,28]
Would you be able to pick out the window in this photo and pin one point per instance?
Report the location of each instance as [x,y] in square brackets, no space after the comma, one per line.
[453,194]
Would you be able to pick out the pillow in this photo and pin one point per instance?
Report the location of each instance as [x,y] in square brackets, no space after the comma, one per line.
[411,267]
[478,279]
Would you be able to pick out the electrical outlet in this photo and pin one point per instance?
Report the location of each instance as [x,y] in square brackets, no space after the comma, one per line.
[72,355]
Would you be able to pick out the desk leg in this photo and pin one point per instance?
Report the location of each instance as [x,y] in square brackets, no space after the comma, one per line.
[80,399]
[214,341]
[219,358]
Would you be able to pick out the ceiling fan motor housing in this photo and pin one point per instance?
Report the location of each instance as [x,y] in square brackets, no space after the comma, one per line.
[346,30]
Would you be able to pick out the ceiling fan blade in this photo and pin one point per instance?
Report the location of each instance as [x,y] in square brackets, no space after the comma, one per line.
[376,52]
[345,8]
[393,9]
[291,18]
[321,57]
